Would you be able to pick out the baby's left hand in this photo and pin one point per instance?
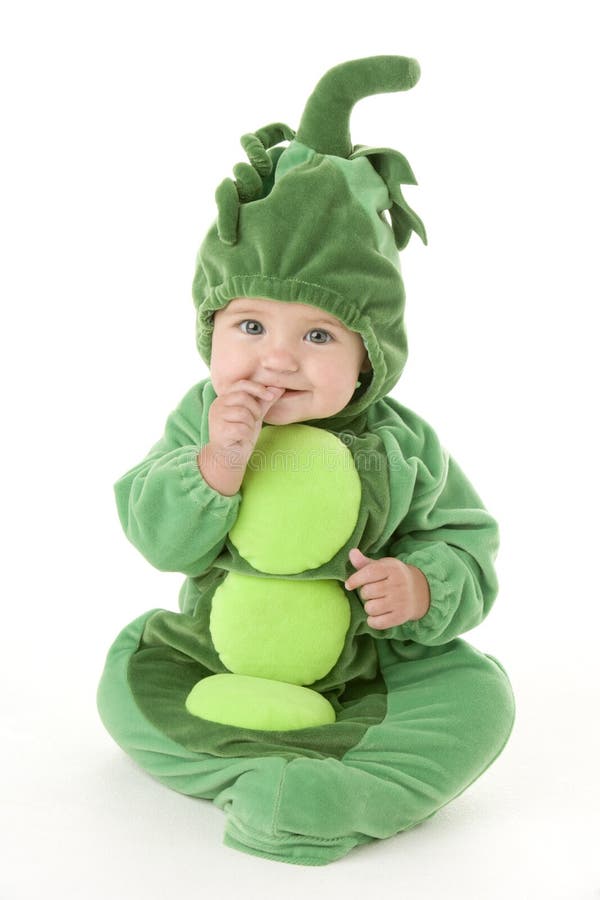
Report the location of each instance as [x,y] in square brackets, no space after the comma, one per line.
[394,592]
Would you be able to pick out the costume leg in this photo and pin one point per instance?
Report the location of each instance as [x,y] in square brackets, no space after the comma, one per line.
[450,713]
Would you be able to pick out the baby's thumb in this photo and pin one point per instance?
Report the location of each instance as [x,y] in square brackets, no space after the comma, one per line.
[358,559]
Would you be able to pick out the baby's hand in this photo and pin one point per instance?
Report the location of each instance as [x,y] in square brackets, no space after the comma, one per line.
[235,418]
[394,593]
[234,423]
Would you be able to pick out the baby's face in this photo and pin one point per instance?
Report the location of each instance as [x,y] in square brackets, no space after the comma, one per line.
[291,345]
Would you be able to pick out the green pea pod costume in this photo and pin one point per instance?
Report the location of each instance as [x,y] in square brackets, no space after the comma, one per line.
[268,693]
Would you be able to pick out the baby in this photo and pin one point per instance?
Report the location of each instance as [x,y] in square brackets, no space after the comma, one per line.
[314,684]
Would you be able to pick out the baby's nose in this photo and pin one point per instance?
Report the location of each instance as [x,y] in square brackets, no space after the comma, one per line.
[279,359]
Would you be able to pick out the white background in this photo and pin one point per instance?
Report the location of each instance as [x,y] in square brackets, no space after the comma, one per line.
[119,119]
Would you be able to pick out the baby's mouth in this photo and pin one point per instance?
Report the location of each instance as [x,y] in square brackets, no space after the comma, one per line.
[290,392]
[287,392]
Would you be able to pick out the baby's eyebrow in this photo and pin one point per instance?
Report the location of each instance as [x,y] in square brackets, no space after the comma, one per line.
[251,310]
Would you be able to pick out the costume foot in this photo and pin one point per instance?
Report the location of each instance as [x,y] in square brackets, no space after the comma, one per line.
[252,805]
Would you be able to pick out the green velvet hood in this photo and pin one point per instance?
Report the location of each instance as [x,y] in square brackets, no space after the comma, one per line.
[307,223]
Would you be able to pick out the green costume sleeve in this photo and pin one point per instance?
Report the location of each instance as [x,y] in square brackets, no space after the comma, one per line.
[446,532]
[167,509]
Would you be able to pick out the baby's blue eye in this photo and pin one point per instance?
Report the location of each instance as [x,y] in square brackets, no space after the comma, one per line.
[250,322]
[316,335]
[324,334]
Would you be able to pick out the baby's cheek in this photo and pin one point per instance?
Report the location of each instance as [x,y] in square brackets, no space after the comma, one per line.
[345,386]
[223,378]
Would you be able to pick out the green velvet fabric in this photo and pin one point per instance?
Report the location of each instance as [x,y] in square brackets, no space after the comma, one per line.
[174,652]
[448,712]
[419,713]
[416,504]
[325,120]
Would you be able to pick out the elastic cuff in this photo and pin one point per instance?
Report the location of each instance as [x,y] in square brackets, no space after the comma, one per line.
[435,619]
[441,596]
[209,498]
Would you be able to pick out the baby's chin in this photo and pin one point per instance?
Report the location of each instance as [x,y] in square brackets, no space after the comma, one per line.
[286,414]
[282,418]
